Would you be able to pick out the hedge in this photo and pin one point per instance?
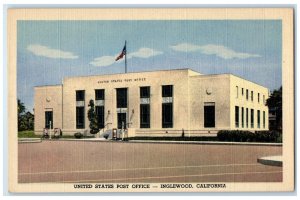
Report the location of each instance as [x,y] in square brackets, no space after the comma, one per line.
[247,136]
[78,135]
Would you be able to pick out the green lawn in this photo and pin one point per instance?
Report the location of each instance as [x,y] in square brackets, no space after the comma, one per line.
[30,134]
[27,134]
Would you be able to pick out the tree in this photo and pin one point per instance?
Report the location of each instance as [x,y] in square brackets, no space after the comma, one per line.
[94,128]
[274,102]
[25,119]
[29,118]
[21,108]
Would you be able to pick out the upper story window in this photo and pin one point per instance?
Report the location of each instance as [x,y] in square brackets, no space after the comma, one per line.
[80,95]
[121,97]
[145,92]
[167,90]
[242,91]
[247,95]
[251,95]
[258,96]
[99,94]
[237,91]
[264,99]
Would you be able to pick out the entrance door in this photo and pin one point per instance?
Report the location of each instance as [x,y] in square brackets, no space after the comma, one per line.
[121,118]
[49,119]
[122,103]
[209,115]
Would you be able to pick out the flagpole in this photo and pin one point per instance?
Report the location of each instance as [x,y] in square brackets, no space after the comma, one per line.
[125,58]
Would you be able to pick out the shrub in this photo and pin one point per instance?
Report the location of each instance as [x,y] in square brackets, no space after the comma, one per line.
[269,136]
[78,135]
[94,128]
[235,136]
[247,136]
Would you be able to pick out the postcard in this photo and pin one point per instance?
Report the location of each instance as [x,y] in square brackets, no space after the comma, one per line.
[150,99]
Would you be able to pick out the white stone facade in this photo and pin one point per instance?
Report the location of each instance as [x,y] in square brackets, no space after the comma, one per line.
[192,91]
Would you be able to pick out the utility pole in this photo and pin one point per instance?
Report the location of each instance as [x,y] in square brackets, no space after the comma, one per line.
[125,57]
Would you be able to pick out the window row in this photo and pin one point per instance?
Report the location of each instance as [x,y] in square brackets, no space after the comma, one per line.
[167,91]
[251,95]
[122,101]
[244,114]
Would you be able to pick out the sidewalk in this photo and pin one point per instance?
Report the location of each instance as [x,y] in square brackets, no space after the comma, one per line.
[153,141]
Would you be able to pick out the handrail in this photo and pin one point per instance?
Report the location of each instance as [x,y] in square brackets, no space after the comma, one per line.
[128,124]
[105,126]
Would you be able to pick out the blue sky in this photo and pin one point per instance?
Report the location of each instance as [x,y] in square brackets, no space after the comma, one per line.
[48,51]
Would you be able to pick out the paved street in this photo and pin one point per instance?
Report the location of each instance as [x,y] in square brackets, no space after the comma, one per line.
[111,162]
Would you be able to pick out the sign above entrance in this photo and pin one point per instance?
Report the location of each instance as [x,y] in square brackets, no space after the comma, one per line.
[126,80]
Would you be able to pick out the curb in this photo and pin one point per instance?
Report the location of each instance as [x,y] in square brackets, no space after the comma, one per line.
[271,160]
[206,142]
[29,140]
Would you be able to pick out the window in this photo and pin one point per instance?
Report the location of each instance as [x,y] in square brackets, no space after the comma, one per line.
[258,119]
[100,116]
[80,117]
[247,95]
[80,95]
[121,97]
[242,91]
[251,95]
[145,116]
[145,92]
[247,118]
[49,119]
[167,115]
[167,90]
[237,92]
[99,108]
[122,103]
[242,117]
[264,99]
[99,94]
[252,118]
[145,107]
[236,116]
[167,106]
[264,119]
[209,115]
[258,97]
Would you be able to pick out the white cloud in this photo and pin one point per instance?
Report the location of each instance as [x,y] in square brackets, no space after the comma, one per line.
[185,47]
[224,52]
[144,53]
[109,60]
[103,61]
[40,50]
[211,49]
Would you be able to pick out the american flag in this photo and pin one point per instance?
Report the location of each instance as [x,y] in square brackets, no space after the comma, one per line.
[122,54]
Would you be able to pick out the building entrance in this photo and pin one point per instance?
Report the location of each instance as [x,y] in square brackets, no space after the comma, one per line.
[122,103]
[209,115]
[122,120]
